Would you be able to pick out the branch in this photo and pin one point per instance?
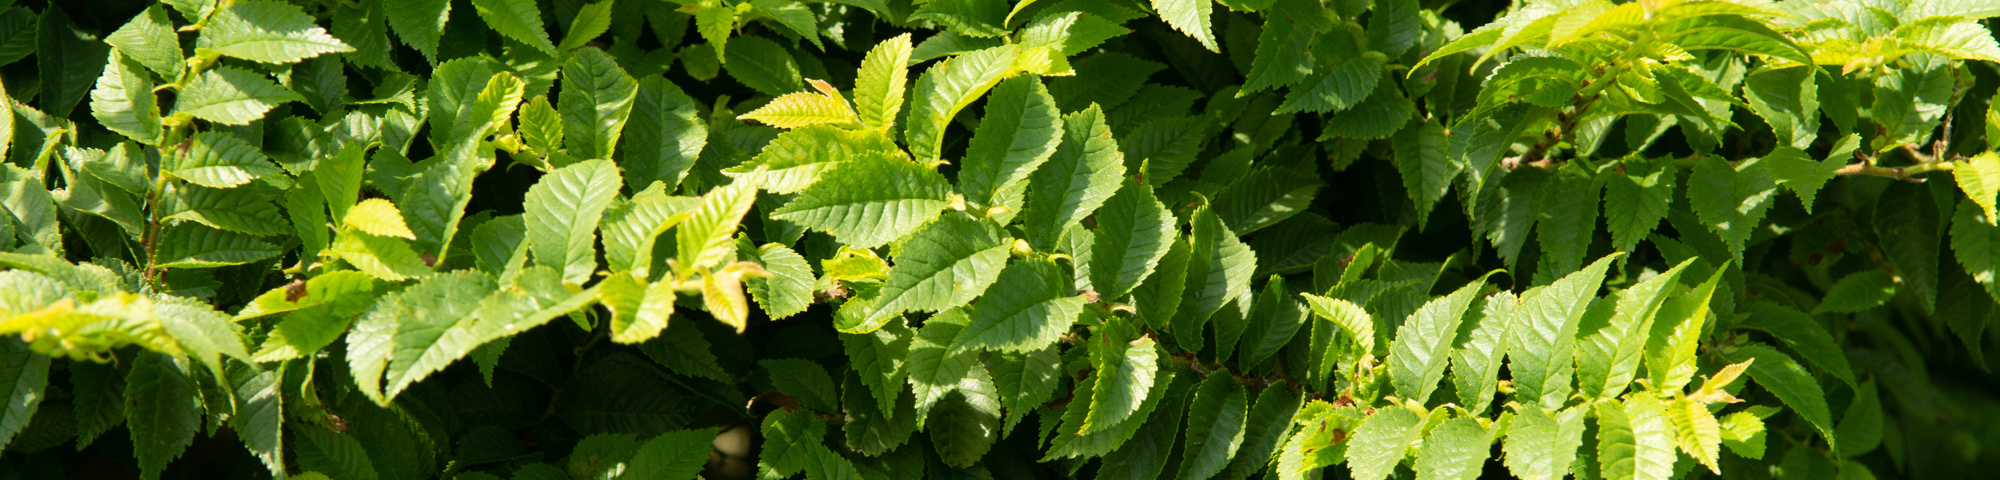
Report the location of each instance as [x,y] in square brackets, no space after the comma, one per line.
[1899,173]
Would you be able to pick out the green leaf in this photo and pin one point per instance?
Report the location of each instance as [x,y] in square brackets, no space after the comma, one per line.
[380,257]
[1108,79]
[190,245]
[1788,100]
[882,359]
[1219,268]
[1134,232]
[796,159]
[518,20]
[763,65]
[1862,424]
[1070,33]
[1475,360]
[790,438]
[1541,446]
[1612,345]
[1025,381]
[26,374]
[1671,345]
[1032,304]
[260,413]
[420,24]
[804,380]
[339,177]
[1697,431]
[267,31]
[1636,201]
[1908,223]
[639,311]
[799,109]
[1068,443]
[870,429]
[1082,175]
[1270,419]
[683,349]
[1125,374]
[1335,89]
[149,39]
[1284,47]
[591,21]
[1190,17]
[1731,200]
[1423,343]
[946,265]
[68,59]
[237,210]
[220,160]
[1566,221]
[164,410]
[933,372]
[1953,36]
[1427,171]
[703,239]
[1382,441]
[1800,174]
[869,201]
[1857,292]
[1455,449]
[1743,433]
[664,136]
[123,101]
[1976,242]
[948,87]
[878,87]
[231,96]
[1147,454]
[1784,377]
[596,100]
[1215,427]
[1635,440]
[675,454]
[789,289]
[1541,355]
[977,18]
[1275,317]
[1979,177]
[793,15]
[563,213]
[1380,115]
[1020,131]
[963,427]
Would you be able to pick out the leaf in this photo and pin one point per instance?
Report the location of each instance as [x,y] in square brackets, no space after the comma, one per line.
[1215,427]
[26,374]
[596,100]
[1121,383]
[1540,357]
[1565,225]
[804,380]
[1862,423]
[978,18]
[703,239]
[1857,292]
[339,177]
[1336,89]
[932,371]
[267,31]
[259,418]
[466,99]
[962,428]
[378,217]
[1427,171]
[1953,36]
[562,216]
[1423,343]
[881,359]
[1790,382]
[1020,131]
[1081,176]
[1032,304]
[1908,223]
[164,411]
[946,265]
[220,160]
[1381,442]
[1731,200]
[945,89]
[798,109]
[1190,17]
[1743,433]
[1070,33]
[420,24]
[1270,419]
[763,65]
[1475,360]
[1456,448]
[870,429]
[869,201]
[1979,177]
[189,245]
[790,437]
[231,96]
[149,39]
[1284,47]
[789,290]
[664,136]
[236,210]
[1697,431]
[591,21]
[1975,241]
[1613,345]
[676,454]
[682,349]
[123,101]
[639,310]
[1025,381]
[68,61]
[1635,440]
[1671,345]
[1219,268]
[878,87]
[1788,100]
[1635,202]
[1108,79]
[380,257]
[1541,446]
[518,20]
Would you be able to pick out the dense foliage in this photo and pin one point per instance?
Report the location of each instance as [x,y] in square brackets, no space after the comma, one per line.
[887,239]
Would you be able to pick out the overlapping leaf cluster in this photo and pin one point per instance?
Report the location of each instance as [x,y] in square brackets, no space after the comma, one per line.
[977,238]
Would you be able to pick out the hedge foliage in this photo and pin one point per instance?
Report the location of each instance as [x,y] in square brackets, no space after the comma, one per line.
[887,239]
